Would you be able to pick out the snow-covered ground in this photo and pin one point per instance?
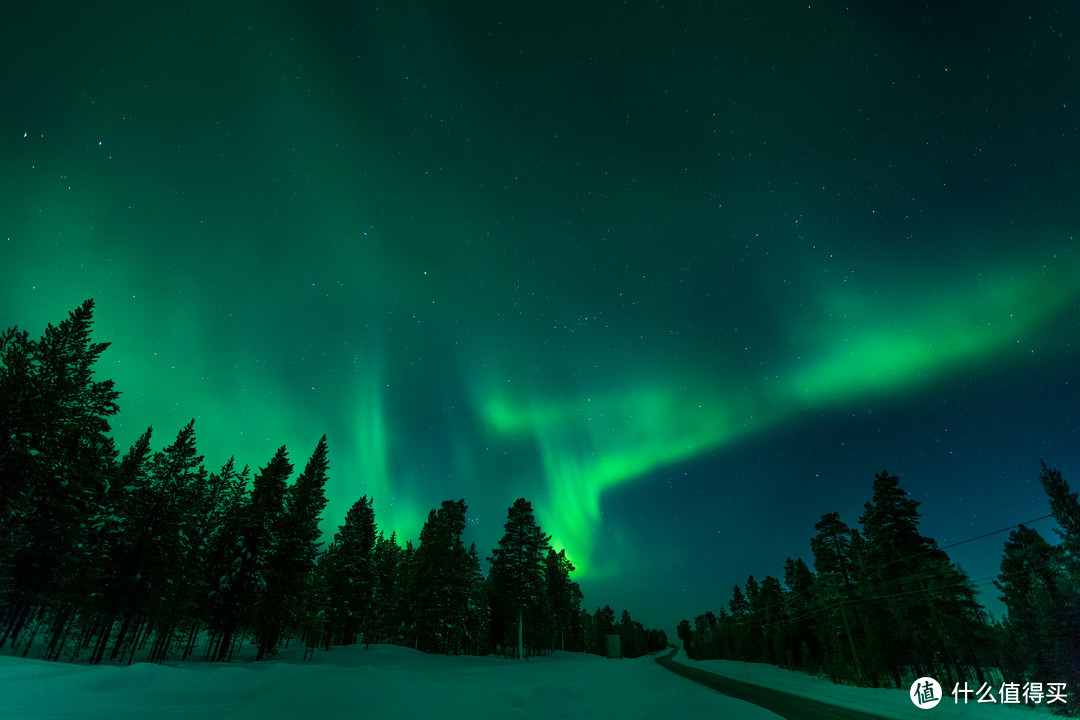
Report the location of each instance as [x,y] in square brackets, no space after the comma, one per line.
[383,682]
[886,703]
[393,682]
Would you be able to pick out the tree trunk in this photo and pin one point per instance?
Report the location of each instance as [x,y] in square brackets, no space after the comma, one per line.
[18,618]
[33,636]
[191,639]
[103,637]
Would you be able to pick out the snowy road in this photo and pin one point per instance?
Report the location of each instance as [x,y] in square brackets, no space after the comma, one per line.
[783,704]
[796,695]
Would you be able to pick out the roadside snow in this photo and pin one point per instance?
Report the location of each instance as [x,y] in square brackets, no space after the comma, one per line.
[383,682]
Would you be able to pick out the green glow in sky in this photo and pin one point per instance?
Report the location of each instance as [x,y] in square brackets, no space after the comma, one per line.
[893,340]
[866,346]
[669,275]
[591,444]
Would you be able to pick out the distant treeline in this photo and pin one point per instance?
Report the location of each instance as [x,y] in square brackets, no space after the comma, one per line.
[885,605]
[102,556]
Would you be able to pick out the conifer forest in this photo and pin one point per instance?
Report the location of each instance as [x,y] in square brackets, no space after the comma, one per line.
[883,605]
[105,553]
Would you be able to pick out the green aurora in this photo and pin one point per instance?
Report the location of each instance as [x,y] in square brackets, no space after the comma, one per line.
[667,274]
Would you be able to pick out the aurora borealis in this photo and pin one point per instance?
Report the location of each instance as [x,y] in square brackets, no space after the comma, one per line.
[686,278]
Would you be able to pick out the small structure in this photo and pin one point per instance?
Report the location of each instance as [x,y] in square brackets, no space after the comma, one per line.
[614,646]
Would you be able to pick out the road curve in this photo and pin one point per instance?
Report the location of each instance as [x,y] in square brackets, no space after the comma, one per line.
[792,707]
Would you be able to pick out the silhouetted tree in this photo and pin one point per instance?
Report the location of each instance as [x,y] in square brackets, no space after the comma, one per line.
[517,572]
[350,574]
[443,582]
[55,460]
[1063,612]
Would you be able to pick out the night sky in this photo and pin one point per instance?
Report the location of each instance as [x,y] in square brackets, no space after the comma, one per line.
[686,278]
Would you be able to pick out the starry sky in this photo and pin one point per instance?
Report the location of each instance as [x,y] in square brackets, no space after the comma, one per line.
[686,276]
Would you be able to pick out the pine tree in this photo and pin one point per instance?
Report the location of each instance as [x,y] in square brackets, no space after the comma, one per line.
[1065,506]
[1030,571]
[386,562]
[55,458]
[630,636]
[834,550]
[124,588]
[111,569]
[686,635]
[405,612]
[226,501]
[604,622]
[244,596]
[174,524]
[802,644]
[517,572]
[443,580]
[350,574]
[564,595]
[1062,618]
[928,602]
[262,536]
[477,611]
[292,559]
[755,638]
[770,612]
[304,503]
[742,643]
[837,551]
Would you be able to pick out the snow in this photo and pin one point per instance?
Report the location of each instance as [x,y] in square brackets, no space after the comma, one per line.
[384,682]
[387,681]
[883,702]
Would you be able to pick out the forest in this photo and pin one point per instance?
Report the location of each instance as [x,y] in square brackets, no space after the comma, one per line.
[884,604]
[104,555]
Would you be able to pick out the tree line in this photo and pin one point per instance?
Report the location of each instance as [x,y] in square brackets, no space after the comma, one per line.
[885,605]
[103,555]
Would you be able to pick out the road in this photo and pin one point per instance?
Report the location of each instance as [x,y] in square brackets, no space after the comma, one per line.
[792,707]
